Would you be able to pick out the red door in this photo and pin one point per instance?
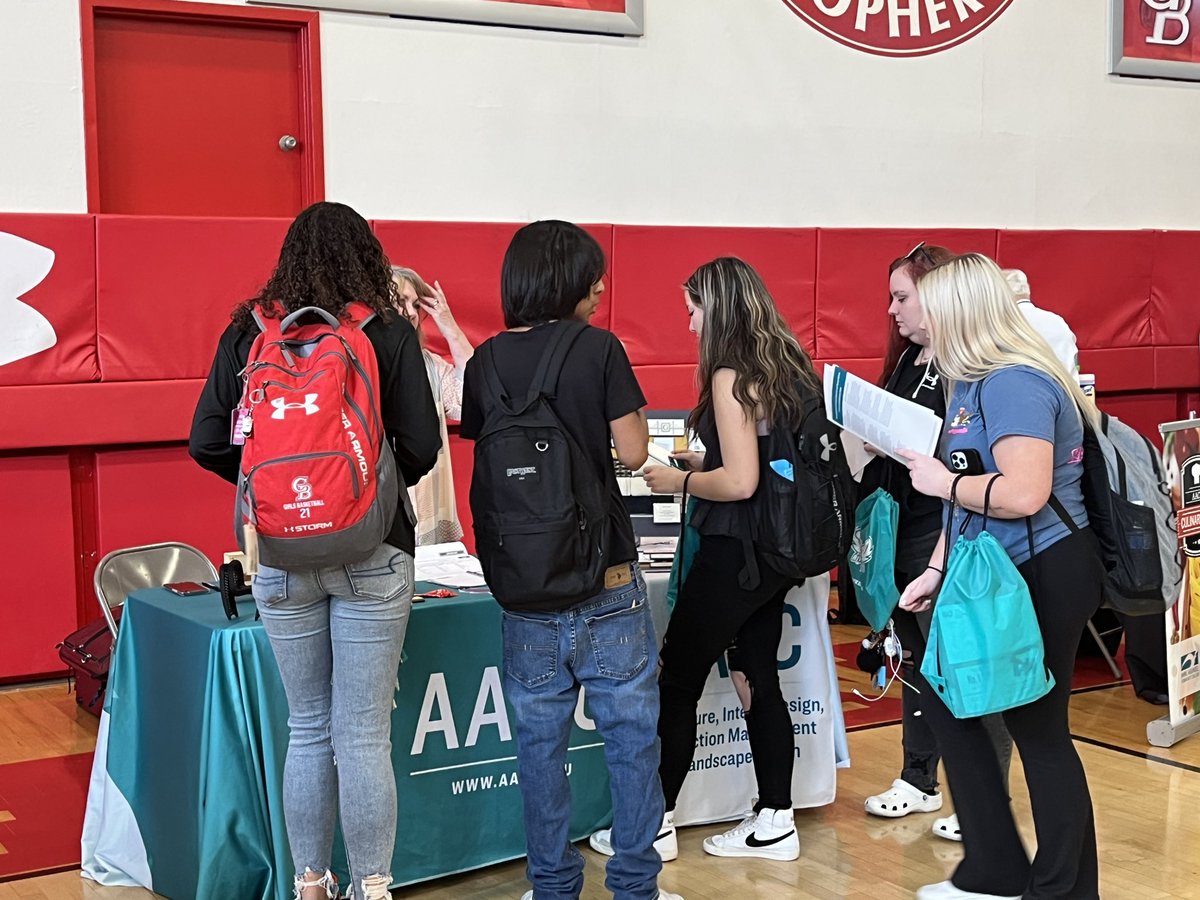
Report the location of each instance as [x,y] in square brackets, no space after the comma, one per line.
[196,109]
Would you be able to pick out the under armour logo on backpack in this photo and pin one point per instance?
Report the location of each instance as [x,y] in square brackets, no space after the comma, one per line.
[281,407]
[828,448]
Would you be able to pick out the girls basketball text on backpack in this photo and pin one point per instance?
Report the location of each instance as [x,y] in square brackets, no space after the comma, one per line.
[318,483]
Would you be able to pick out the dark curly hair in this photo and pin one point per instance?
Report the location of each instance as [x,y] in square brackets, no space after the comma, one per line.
[329,258]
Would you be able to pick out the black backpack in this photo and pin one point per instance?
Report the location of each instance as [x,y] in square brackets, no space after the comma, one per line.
[540,510]
[1130,511]
[803,525]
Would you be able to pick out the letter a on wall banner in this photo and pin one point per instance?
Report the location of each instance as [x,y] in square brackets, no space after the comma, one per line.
[899,27]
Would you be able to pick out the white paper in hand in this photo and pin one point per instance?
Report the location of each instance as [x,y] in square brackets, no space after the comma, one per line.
[880,418]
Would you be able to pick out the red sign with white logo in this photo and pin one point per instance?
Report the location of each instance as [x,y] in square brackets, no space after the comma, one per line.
[1162,29]
[1159,38]
[899,27]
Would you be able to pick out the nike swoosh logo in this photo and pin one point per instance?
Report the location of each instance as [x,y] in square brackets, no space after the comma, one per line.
[664,834]
[754,841]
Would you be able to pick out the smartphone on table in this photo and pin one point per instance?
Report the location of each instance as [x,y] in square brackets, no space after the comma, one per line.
[186,588]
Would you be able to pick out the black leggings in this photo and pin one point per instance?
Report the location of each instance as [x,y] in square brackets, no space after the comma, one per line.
[712,613]
[1065,582]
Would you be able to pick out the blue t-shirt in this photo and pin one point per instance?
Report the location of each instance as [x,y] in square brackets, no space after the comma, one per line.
[1019,400]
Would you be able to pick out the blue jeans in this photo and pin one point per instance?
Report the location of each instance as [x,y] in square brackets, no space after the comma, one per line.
[605,645]
[337,634]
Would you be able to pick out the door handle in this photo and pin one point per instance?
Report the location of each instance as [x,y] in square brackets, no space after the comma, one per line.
[287,143]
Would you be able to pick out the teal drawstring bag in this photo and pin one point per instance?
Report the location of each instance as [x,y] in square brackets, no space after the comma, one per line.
[689,543]
[872,557]
[985,651]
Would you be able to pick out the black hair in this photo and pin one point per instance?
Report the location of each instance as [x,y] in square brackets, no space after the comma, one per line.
[548,268]
[329,258]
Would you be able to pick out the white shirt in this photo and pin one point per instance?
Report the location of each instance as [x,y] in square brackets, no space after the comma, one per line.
[1054,329]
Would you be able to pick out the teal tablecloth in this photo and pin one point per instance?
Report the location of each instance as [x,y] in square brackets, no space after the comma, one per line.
[197,733]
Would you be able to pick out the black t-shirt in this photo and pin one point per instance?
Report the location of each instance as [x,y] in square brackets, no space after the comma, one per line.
[597,386]
[920,519]
[405,405]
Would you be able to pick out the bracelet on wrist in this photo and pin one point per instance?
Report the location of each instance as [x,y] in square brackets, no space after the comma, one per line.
[936,569]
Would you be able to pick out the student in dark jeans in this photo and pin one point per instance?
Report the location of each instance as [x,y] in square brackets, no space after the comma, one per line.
[1014,405]
[604,643]
[751,372]
[910,372]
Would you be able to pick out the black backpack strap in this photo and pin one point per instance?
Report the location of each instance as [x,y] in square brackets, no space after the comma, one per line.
[545,378]
[1055,504]
[491,375]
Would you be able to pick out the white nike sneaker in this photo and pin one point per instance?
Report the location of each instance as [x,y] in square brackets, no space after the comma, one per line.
[768,834]
[667,844]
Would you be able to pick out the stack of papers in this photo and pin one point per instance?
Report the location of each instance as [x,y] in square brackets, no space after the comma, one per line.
[449,565]
[657,552]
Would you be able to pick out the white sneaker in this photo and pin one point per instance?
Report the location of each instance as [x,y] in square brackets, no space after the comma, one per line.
[945,890]
[768,834]
[900,800]
[948,828]
[667,844]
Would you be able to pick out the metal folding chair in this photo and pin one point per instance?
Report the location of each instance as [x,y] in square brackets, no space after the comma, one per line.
[123,571]
[1099,636]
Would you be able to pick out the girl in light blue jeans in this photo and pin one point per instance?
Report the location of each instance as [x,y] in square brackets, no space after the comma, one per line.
[337,634]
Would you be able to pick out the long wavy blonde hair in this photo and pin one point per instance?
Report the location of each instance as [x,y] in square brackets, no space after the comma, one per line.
[744,331]
[976,328]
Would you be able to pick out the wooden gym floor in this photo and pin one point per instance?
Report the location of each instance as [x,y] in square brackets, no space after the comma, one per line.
[1146,802]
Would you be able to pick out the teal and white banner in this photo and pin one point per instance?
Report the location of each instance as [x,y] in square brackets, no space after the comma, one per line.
[185,796]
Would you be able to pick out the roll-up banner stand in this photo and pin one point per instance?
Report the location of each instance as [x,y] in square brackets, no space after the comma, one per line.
[1181,464]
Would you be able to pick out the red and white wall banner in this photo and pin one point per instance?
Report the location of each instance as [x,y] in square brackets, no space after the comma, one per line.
[1155,38]
[899,27]
[595,16]
[1181,458]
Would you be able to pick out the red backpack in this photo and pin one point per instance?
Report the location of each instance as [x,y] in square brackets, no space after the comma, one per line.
[318,484]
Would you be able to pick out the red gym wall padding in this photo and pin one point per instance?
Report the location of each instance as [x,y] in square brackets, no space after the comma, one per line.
[137,304]
[154,494]
[37,602]
[852,287]
[166,287]
[1175,309]
[465,259]
[66,297]
[1099,281]
[651,263]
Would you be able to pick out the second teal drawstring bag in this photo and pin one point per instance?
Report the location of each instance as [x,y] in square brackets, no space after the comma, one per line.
[872,557]
[985,652]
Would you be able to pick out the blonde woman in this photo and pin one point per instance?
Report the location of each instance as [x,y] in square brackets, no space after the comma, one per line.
[433,496]
[1016,410]
[751,376]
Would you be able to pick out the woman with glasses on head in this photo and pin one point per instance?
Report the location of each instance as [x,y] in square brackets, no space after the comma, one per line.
[1019,413]
[752,377]
[433,495]
[910,371]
